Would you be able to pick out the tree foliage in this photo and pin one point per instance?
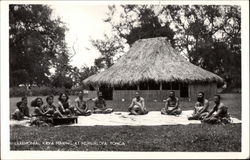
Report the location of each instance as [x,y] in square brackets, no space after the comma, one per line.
[108,49]
[210,37]
[85,72]
[37,43]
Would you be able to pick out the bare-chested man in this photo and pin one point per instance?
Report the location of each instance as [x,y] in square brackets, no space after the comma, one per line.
[100,105]
[81,105]
[172,106]
[200,107]
[221,113]
[137,106]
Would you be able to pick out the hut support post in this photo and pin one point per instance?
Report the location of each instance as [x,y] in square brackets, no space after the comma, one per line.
[138,87]
[160,86]
[179,88]
[96,88]
[113,91]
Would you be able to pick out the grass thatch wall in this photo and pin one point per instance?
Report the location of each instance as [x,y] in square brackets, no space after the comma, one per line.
[148,95]
[91,94]
[160,95]
[152,59]
[209,89]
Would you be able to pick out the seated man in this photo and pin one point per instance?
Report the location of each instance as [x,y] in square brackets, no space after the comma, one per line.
[221,115]
[22,111]
[81,106]
[200,108]
[137,106]
[172,105]
[100,105]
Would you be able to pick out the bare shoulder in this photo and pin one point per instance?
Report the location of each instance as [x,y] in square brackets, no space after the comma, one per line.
[206,101]
[197,103]
[168,99]
[222,105]
[77,99]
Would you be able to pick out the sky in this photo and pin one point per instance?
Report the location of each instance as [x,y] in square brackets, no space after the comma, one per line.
[84,22]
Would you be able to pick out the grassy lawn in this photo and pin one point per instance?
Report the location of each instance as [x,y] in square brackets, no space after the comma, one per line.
[214,138]
[129,138]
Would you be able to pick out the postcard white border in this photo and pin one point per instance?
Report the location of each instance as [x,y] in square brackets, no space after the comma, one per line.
[5,129]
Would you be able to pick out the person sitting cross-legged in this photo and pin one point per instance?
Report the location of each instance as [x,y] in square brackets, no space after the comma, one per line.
[200,108]
[100,105]
[50,110]
[137,106]
[172,106]
[44,115]
[22,111]
[81,106]
[221,115]
[64,105]
[38,107]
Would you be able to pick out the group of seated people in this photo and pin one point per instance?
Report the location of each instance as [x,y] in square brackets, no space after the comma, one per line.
[64,108]
[218,114]
[172,107]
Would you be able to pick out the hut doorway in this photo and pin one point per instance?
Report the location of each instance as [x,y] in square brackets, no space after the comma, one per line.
[184,90]
[107,92]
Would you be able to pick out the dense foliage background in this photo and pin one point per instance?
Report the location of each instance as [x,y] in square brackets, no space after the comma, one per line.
[207,35]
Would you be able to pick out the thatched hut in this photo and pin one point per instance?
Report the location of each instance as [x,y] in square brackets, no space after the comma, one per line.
[154,68]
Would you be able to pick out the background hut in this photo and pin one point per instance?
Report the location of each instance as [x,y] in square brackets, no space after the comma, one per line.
[154,68]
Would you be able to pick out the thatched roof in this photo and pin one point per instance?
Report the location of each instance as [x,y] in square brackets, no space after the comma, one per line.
[152,59]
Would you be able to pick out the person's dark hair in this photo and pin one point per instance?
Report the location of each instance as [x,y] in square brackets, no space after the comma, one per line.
[172,92]
[34,102]
[50,96]
[23,98]
[203,94]
[60,96]
[217,96]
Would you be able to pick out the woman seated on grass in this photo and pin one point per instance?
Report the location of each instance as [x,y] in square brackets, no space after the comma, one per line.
[22,111]
[100,105]
[137,106]
[38,109]
[39,118]
[43,115]
[81,106]
[172,106]
[64,105]
[50,109]
[200,108]
[221,115]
